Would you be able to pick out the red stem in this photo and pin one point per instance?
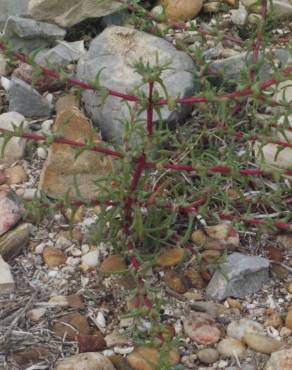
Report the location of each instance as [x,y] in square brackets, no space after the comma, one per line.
[150,110]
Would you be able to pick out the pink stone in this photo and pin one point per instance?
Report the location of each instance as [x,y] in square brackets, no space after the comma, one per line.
[201,328]
[10,209]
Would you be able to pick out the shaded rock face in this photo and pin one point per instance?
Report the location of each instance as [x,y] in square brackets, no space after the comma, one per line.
[62,170]
[239,276]
[115,51]
[12,7]
[66,13]
[27,34]
[26,100]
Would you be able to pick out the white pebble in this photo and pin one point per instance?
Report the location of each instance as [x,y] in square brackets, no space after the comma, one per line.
[123,350]
[100,320]
[30,194]
[90,259]
[73,261]
[42,153]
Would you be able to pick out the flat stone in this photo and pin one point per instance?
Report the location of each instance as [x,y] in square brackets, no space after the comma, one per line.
[230,68]
[269,158]
[25,100]
[115,50]
[231,348]
[10,209]
[238,329]
[239,276]
[147,358]
[12,7]
[208,355]
[62,54]
[262,343]
[280,360]
[12,242]
[62,170]
[6,279]
[15,148]
[66,13]
[27,34]
[88,361]
[239,16]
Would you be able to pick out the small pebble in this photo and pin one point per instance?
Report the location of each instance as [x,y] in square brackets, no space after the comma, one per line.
[208,355]
[42,153]
[90,259]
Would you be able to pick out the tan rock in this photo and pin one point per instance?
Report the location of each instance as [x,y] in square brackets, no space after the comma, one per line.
[146,358]
[280,360]
[113,264]
[15,175]
[212,7]
[36,314]
[174,281]
[7,284]
[193,279]
[54,257]
[288,321]
[268,157]
[182,10]
[30,355]
[62,170]
[285,241]
[262,343]
[231,348]
[289,287]
[275,321]
[13,241]
[85,361]
[71,325]
[217,237]
[170,257]
[66,13]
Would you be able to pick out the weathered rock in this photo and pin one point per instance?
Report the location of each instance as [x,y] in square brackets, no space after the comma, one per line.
[262,343]
[283,92]
[230,68]
[3,65]
[230,347]
[27,34]
[13,241]
[10,210]
[238,329]
[269,158]
[30,355]
[36,314]
[88,361]
[26,100]
[170,257]
[193,279]
[146,358]
[90,259]
[15,148]
[175,282]
[217,237]
[6,279]
[280,360]
[62,54]
[66,13]
[239,276]
[201,328]
[12,7]
[116,49]
[285,135]
[208,355]
[113,264]
[53,257]
[288,320]
[71,325]
[182,10]
[62,170]
[91,343]
[15,175]
[239,16]
[281,9]
[212,7]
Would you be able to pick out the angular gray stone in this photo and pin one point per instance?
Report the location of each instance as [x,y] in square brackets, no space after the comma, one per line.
[28,35]
[239,16]
[116,49]
[6,279]
[15,148]
[62,54]
[12,7]
[230,68]
[66,13]
[239,276]
[26,100]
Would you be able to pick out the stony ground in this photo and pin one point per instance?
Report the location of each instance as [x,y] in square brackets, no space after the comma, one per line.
[65,300]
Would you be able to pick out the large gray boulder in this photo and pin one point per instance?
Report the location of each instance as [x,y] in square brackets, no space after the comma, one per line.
[115,51]
[66,13]
[12,7]
[27,34]
[238,276]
